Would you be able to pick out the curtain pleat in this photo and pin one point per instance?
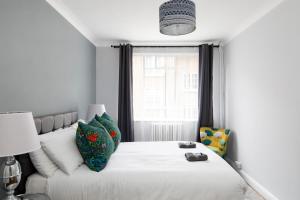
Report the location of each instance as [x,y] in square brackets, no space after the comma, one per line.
[205,90]
[218,88]
[125,108]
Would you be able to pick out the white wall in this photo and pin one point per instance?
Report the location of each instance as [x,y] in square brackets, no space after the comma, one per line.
[107,79]
[263,100]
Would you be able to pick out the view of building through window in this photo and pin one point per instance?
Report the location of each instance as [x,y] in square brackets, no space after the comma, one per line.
[165,85]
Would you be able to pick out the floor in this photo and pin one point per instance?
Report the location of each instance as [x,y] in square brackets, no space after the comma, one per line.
[252,195]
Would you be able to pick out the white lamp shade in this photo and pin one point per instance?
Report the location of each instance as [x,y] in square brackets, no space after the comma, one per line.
[94,109]
[18,134]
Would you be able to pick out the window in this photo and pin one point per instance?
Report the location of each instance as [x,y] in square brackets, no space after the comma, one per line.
[191,81]
[165,84]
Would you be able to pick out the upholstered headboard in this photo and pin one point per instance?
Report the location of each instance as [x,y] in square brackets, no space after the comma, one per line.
[44,124]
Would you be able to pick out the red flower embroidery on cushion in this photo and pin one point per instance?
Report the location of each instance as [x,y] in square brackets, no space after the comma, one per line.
[113,133]
[93,137]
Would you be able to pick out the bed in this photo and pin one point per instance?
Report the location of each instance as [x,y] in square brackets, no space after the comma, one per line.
[146,171]
[44,124]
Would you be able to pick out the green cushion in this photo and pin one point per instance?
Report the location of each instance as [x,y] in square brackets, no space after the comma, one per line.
[95,145]
[95,123]
[107,117]
[112,129]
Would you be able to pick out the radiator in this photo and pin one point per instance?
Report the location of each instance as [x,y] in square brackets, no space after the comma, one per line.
[166,131]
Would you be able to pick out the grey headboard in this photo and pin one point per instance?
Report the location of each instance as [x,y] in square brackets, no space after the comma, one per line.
[44,124]
[50,123]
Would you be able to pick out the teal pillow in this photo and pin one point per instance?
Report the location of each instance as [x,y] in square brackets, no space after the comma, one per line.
[95,146]
[112,129]
[95,123]
[107,117]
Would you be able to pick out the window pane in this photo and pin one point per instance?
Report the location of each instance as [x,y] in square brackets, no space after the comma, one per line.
[149,62]
[195,81]
[165,85]
[187,81]
[160,62]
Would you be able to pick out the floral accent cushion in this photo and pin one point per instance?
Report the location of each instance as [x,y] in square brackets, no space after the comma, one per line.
[95,146]
[95,123]
[215,139]
[107,117]
[112,129]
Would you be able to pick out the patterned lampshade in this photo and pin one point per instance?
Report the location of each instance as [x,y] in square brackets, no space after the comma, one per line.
[177,17]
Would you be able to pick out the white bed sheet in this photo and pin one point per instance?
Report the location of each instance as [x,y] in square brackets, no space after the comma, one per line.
[37,183]
[148,171]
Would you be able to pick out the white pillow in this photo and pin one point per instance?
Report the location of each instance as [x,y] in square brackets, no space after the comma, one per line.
[40,160]
[42,163]
[63,151]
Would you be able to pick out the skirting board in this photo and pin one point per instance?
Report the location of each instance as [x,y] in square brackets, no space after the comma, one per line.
[253,183]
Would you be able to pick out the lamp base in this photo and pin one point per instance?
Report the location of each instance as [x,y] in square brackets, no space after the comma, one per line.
[10,176]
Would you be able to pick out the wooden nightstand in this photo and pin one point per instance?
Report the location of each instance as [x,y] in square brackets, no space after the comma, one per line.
[34,197]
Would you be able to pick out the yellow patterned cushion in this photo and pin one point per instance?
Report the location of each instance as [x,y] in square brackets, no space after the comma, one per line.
[215,139]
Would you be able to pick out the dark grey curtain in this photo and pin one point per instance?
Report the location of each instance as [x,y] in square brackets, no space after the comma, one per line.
[125,110]
[205,91]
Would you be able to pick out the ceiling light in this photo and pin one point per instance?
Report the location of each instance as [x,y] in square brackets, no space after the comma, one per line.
[177,17]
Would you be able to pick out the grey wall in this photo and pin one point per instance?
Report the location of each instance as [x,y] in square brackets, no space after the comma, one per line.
[263,68]
[108,79]
[46,65]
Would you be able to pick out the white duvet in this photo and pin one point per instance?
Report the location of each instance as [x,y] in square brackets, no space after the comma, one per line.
[147,171]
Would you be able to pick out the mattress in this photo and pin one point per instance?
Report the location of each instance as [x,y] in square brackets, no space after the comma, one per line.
[36,183]
[147,171]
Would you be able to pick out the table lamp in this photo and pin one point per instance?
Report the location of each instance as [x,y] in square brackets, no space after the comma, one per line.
[18,135]
[94,109]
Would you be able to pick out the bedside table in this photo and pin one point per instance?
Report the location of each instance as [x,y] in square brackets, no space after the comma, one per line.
[34,197]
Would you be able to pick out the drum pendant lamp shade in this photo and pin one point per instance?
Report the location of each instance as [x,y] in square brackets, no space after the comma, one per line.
[177,17]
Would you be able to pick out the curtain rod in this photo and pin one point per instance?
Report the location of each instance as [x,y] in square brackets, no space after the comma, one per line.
[118,46]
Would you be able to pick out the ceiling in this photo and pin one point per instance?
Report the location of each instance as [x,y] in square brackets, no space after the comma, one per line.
[111,21]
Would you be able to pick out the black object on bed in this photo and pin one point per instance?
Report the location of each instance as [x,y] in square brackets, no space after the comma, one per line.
[196,157]
[187,145]
[43,125]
